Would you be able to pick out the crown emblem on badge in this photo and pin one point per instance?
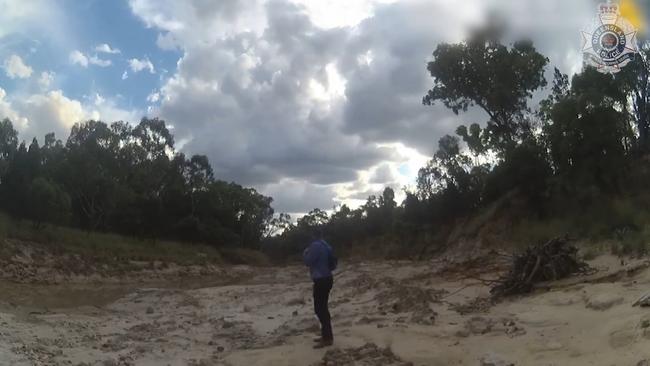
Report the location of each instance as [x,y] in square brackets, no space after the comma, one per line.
[609,9]
[609,43]
[609,12]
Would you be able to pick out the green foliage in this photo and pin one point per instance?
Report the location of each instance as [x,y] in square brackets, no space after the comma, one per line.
[588,134]
[634,79]
[507,154]
[634,244]
[524,169]
[483,72]
[244,256]
[475,138]
[569,167]
[373,224]
[572,165]
[278,225]
[130,180]
[5,224]
[575,162]
[105,247]
[8,144]
[621,221]
[47,202]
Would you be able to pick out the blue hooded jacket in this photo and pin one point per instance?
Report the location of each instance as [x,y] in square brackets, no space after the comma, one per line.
[316,257]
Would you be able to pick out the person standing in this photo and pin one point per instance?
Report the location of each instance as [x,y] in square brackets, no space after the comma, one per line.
[319,257]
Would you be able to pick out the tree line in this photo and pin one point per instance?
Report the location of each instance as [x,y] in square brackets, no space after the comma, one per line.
[581,148]
[129,180]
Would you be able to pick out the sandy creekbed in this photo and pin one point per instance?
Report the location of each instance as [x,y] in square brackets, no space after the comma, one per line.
[391,313]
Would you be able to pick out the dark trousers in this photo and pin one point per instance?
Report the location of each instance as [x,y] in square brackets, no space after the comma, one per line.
[322,287]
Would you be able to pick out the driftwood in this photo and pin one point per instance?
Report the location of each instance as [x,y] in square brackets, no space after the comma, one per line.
[550,261]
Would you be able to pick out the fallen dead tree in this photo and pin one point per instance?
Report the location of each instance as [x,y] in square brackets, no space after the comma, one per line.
[550,261]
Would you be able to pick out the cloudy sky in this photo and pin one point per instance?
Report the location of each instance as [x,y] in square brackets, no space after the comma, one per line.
[313,102]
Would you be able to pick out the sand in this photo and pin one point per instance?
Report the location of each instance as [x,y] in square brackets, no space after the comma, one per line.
[385,313]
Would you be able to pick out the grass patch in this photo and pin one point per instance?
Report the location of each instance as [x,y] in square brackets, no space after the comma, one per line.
[623,222]
[633,242]
[244,256]
[591,252]
[527,231]
[107,247]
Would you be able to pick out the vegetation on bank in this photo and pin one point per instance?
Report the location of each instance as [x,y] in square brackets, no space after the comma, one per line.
[114,249]
[104,247]
[128,180]
[576,163]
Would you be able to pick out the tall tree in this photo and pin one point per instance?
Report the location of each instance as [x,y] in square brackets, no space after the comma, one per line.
[635,79]
[47,202]
[127,179]
[91,172]
[485,73]
[589,133]
[8,145]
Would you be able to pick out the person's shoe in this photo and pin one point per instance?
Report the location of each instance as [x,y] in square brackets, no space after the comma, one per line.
[318,340]
[324,343]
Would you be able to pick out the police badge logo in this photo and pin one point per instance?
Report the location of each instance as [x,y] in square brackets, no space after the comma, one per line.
[610,43]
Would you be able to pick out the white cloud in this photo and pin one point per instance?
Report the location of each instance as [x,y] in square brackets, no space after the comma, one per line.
[7,111]
[185,23]
[37,114]
[125,75]
[40,107]
[139,65]
[105,48]
[53,108]
[340,13]
[46,79]
[99,62]
[77,57]
[266,107]
[26,17]
[153,97]
[293,95]
[15,67]
[107,110]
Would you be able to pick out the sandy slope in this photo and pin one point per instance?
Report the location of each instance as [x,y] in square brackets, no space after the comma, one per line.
[409,307]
